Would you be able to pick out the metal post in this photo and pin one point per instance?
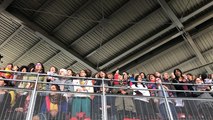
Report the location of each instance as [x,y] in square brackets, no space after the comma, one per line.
[168,110]
[103,97]
[32,101]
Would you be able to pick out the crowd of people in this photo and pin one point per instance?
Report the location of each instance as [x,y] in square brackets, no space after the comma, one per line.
[146,90]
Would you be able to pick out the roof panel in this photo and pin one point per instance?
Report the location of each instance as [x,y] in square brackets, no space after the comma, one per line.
[132,36]
[184,7]
[205,41]
[55,13]
[87,19]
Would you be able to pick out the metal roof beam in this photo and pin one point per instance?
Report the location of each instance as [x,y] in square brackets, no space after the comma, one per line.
[51,40]
[100,23]
[5,4]
[38,11]
[206,30]
[11,36]
[160,33]
[186,35]
[187,61]
[71,16]
[137,55]
[210,4]
[147,50]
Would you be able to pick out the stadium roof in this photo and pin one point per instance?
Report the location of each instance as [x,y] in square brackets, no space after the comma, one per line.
[132,35]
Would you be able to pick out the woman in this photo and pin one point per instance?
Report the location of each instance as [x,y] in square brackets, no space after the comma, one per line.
[20,109]
[54,106]
[82,102]
[143,108]
[162,108]
[124,106]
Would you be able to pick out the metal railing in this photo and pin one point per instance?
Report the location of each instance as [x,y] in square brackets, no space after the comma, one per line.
[104,105]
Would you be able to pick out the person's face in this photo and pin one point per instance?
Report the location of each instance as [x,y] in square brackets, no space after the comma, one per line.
[69,72]
[38,66]
[177,73]
[110,76]
[24,70]
[2,83]
[82,73]
[125,75]
[9,67]
[166,76]
[52,69]
[53,88]
[102,74]
[189,77]
[15,68]
[198,81]
[62,73]
[139,78]
[157,74]
[152,78]
[142,75]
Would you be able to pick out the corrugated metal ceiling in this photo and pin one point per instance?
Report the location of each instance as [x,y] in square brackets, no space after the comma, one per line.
[99,30]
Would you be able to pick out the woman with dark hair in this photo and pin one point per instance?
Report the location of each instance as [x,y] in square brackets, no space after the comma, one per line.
[101,75]
[31,67]
[143,108]
[143,75]
[21,76]
[20,108]
[180,79]
[124,105]
[82,102]
[54,106]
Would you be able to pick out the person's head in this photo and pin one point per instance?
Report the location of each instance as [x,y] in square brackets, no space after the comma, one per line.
[203,76]
[39,68]
[109,75]
[31,67]
[15,68]
[177,73]
[189,77]
[82,73]
[198,80]
[23,68]
[157,74]
[9,66]
[88,72]
[102,74]
[125,75]
[165,76]
[152,78]
[138,78]
[63,72]
[53,69]
[143,75]
[54,87]
[70,72]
